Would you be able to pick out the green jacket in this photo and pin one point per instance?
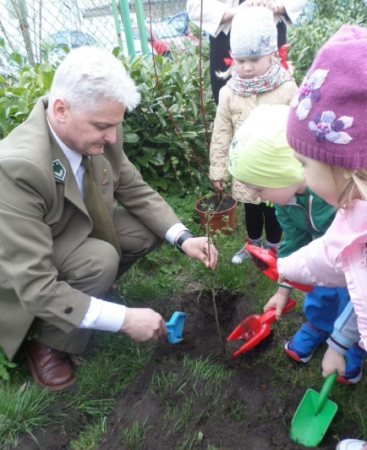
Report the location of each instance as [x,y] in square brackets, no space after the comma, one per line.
[305,217]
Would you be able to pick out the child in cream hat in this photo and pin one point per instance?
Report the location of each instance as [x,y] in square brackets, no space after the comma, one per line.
[257,78]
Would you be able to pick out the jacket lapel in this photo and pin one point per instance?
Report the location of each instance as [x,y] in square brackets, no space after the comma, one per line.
[65,181]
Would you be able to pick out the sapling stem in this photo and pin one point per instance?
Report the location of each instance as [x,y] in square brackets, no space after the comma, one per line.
[212,278]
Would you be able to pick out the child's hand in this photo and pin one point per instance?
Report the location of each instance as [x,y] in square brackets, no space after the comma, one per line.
[277,301]
[333,362]
[219,184]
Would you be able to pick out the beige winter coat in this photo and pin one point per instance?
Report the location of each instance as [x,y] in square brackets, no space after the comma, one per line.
[232,111]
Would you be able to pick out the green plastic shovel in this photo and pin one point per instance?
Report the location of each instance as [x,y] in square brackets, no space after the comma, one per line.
[314,415]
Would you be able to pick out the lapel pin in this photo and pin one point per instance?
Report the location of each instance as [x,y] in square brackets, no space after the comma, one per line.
[59,170]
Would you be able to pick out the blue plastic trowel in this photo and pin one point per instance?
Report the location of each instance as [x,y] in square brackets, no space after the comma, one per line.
[175,327]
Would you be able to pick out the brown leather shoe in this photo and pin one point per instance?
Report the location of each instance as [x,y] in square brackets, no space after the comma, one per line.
[50,368]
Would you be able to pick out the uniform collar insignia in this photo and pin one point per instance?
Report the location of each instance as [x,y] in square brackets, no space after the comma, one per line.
[59,170]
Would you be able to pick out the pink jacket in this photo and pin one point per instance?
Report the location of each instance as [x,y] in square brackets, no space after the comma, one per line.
[337,259]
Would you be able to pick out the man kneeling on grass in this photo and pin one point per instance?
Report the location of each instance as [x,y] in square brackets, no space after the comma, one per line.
[64,239]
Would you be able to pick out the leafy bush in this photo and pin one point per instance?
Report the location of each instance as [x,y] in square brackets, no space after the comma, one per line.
[169,126]
[20,90]
[312,32]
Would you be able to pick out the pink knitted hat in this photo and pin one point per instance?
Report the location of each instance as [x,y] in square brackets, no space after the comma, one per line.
[328,115]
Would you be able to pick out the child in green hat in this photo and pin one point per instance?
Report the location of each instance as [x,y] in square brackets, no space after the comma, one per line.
[261,158]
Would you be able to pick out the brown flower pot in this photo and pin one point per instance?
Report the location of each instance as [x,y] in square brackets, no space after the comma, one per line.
[217,210]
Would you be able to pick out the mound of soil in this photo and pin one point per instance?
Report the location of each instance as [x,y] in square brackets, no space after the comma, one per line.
[251,410]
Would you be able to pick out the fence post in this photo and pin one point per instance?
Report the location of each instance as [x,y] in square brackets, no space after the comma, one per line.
[125,11]
[141,24]
[117,24]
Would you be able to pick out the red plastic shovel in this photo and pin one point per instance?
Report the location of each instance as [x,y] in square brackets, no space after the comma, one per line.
[266,261]
[255,328]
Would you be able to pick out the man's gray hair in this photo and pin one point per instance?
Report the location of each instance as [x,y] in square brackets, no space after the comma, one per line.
[89,74]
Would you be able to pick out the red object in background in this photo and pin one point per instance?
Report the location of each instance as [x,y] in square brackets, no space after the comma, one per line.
[283,55]
[228,61]
[165,39]
[255,328]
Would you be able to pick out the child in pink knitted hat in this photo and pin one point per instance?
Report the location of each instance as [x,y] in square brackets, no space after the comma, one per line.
[327,128]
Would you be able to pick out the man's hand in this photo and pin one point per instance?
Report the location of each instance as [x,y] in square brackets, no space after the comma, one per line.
[278,301]
[143,324]
[199,248]
[333,362]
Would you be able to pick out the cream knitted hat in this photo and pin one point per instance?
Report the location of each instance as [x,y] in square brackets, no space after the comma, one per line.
[253,33]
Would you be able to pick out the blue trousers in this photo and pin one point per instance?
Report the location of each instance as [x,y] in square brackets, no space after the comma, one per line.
[323,306]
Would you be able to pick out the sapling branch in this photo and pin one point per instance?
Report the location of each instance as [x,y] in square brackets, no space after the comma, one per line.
[212,277]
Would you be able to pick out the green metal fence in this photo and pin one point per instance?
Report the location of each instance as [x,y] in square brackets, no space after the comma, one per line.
[35,28]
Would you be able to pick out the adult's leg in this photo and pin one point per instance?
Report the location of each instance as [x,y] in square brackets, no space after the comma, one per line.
[219,49]
[282,33]
[92,269]
[136,240]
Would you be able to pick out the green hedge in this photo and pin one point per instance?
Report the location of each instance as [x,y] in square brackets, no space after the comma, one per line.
[312,32]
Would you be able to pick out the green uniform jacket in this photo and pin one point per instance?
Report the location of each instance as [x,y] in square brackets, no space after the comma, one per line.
[305,217]
[43,219]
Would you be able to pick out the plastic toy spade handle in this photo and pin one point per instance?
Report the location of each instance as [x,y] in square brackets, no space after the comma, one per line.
[325,390]
[175,327]
[269,316]
[266,261]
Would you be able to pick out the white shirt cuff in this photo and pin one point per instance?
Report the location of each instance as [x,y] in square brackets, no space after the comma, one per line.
[103,315]
[173,232]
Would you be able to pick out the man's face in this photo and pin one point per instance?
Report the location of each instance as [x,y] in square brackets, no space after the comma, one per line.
[87,132]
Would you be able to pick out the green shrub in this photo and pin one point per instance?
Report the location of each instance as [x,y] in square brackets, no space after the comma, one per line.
[21,90]
[169,126]
[311,34]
